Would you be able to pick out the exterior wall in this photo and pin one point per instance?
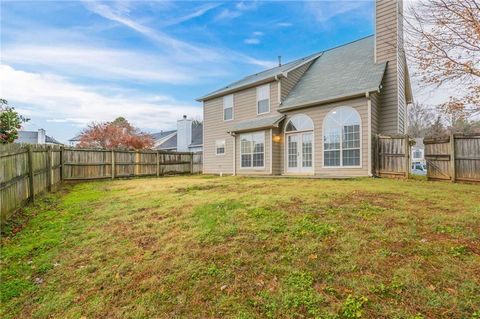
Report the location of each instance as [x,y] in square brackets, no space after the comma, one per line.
[292,79]
[317,114]
[389,47]
[215,128]
[277,155]
[374,104]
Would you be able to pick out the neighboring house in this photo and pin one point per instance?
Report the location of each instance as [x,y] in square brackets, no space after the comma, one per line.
[188,137]
[418,151]
[74,141]
[36,137]
[315,115]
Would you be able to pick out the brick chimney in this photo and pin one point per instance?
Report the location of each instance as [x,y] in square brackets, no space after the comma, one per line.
[389,48]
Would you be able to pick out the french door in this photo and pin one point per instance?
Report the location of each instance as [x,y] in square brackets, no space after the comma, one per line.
[300,152]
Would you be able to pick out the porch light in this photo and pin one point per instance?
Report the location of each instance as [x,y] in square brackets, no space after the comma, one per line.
[276,138]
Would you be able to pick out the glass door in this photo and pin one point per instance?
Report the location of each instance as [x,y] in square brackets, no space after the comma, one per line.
[307,152]
[292,153]
[300,152]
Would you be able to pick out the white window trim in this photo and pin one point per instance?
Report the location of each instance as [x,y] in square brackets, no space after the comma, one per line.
[269,98]
[233,108]
[240,151]
[341,141]
[285,146]
[217,143]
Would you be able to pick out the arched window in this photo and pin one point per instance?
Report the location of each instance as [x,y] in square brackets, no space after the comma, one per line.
[341,138]
[299,122]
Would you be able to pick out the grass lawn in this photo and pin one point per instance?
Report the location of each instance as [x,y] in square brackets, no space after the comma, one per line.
[212,247]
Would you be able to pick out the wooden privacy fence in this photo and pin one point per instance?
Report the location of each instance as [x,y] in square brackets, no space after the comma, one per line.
[391,156]
[26,170]
[455,158]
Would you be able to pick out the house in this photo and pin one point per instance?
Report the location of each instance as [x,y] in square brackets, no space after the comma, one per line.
[315,115]
[418,151]
[74,141]
[188,137]
[36,137]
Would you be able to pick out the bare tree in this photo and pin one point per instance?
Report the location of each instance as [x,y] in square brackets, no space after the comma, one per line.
[420,118]
[443,40]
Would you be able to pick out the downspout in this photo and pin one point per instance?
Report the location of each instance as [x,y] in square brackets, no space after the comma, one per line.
[234,173]
[271,151]
[369,133]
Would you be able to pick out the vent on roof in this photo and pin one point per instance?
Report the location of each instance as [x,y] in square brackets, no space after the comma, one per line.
[279,60]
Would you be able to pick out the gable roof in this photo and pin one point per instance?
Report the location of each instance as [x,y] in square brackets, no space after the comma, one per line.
[257,78]
[75,138]
[342,72]
[51,140]
[162,134]
[169,144]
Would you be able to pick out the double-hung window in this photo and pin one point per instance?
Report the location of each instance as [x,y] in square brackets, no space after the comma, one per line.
[252,150]
[220,147]
[341,138]
[228,107]
[263,99]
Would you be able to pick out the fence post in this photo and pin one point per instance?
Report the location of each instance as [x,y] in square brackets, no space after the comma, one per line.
[191,163]
[113,164]
[49,168]
[452,157]
[407,156]
[62,164]
[158,164]
[31,173]
[137,166]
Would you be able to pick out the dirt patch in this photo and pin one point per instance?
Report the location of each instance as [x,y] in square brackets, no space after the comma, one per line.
[200,187]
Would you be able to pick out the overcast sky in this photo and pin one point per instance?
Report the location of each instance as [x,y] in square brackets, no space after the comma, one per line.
[65,64]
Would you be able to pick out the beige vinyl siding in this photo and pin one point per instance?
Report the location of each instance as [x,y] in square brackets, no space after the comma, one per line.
[214,127]
[374,103]
[317,114]
[277,152]
[386,36]
[255,171]
[292,79]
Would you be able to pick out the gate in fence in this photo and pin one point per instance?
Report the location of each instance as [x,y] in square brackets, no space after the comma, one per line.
[391,156]
[454,158]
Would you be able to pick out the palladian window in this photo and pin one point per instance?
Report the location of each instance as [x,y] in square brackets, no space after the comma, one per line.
[341,138]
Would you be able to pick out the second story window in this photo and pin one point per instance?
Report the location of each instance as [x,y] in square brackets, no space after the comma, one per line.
[263,99]
[228,107]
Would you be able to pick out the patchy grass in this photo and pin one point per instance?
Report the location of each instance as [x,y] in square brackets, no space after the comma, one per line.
[211,247]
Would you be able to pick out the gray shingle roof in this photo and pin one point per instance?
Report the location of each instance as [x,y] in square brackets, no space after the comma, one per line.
[197,134]
[341,72]
[75,138]
[258,77]
[171,143]
[51,140]
[162,134]
[258,123]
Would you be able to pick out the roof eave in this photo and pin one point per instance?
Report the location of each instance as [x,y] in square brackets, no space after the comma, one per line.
[330,100]
[239,88]
[276,124]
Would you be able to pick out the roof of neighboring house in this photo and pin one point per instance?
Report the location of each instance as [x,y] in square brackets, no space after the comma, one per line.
[341,72]
[258,123]
[197,135]
[418,143]
[76,138]
[266,76]
[162,134]
[169,144]
[51,140]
